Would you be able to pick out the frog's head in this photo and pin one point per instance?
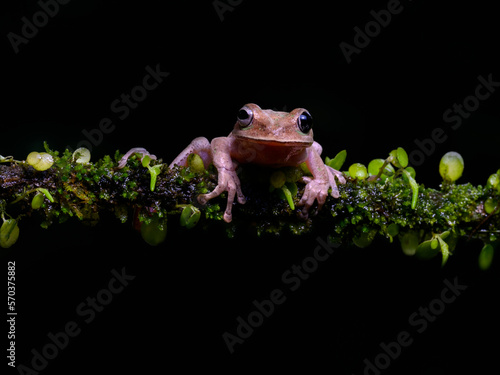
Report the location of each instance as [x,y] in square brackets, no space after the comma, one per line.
[277,128]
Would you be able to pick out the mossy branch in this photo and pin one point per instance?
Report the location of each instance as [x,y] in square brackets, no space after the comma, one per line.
[53,188]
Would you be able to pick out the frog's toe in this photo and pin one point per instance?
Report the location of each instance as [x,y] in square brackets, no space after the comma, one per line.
[202,199]
[335,191]
[304,214]
[228,216]
[241,196]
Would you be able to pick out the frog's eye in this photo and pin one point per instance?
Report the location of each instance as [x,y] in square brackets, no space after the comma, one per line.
[245,117]
[305,122]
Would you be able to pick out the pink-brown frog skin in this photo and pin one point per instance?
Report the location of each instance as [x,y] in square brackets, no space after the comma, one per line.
[270,138]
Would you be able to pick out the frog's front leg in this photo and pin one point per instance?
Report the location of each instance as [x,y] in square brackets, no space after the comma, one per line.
[219,153]
[323,180]
[227,178]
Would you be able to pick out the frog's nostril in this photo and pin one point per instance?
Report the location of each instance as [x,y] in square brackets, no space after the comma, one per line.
[305,122]
[245,116]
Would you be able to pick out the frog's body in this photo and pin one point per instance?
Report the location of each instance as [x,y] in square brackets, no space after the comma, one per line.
[269,138]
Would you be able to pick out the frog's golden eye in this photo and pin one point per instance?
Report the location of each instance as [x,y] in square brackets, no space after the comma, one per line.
[245,116]
[305,122]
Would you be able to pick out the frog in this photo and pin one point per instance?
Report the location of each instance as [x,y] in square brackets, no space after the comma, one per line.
[268,138]
[264,137]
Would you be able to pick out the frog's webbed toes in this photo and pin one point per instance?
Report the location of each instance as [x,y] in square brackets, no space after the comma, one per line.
[314,191]
[228,181]
[332,174]
[317,190]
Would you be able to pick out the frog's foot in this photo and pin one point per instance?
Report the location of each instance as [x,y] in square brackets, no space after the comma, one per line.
[332,173]
[317,190]
[135,150]
[228,181]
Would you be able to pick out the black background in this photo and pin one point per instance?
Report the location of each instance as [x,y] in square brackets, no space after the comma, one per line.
[191,289]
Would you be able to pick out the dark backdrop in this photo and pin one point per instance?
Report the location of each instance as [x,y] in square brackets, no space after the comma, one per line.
[63,79]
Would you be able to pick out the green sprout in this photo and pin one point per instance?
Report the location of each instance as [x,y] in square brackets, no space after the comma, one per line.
[486,257]
[195,162]
[431,247]
[190,216]
[451,166]
[9,231]
[41,161]
[382,169]
[81,156]
[154,171]
[358,170]
[409,242]
[338,161]
[285,182]
[38,199]
[494,181]
[8,159]
[154,231]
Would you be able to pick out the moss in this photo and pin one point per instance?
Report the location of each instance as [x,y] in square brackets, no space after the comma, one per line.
[365,209]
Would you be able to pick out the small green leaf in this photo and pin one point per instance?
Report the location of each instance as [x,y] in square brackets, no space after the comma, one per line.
[293,174]
[288,196]
[154,172]
[365,238]
[445,234]
[190,216]
[393,229]
[358,170]
[292,186]
[37,201]
[278,179]
[425,250]
[409,242]
[444,250]
[195,162]
[374,168]
[414,188]
[145,161]
[9,233]
[47,194]
[411,171]
[486,257]
[41,161]
[393,158]
[154,232]
[305,169]
[402,157]
[81,155]
[338,161]
[490,205]
[493,181]
[451,166]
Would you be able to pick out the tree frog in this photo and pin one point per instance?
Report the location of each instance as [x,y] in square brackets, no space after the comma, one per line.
[265,137]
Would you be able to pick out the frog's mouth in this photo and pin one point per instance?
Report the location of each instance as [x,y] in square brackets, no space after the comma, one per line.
[276,143]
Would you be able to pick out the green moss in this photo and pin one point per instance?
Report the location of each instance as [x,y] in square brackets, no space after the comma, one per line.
[365,209]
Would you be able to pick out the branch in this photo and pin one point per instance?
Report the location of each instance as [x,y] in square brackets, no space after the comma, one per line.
[53,188]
